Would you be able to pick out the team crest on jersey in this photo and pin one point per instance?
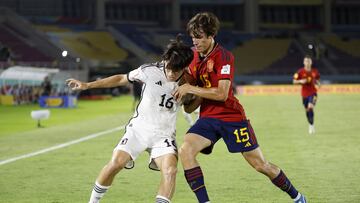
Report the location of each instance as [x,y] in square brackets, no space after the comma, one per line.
[210,65]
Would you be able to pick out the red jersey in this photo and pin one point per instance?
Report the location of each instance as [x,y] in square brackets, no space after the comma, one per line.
[218,65]
[311,77]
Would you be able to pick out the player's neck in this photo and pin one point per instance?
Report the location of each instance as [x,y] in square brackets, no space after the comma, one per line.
[208,50]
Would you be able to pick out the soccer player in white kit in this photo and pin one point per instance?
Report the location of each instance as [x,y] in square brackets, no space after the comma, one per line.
[152,128]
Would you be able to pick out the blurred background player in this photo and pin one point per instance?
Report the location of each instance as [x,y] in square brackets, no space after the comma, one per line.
[46,87]
[309,78]
[221,114]
[152,127]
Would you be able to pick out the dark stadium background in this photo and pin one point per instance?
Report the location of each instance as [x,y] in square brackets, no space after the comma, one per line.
[102,37]
[91,39]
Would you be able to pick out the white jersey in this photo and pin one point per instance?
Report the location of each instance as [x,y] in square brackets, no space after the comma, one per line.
[157,109]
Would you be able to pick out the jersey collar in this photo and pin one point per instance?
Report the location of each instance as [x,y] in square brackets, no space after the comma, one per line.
[200,59]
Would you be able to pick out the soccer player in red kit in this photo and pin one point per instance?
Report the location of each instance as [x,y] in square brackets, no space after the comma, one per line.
[309,78]
[221,114]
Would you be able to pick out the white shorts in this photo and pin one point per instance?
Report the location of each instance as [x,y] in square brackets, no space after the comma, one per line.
[137,140]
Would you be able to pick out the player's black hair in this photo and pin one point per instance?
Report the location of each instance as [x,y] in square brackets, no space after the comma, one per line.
[177,54]
[307,56]
[205,22]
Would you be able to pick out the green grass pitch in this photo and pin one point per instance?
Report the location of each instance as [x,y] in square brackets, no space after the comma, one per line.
[323,166]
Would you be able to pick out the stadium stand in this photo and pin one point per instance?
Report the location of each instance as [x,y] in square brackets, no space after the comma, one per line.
[343,54]
[138,36]
[96,45]
[274,46]
[21,48]
[256,54]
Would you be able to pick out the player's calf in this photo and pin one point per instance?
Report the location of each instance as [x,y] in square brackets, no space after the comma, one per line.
[169,173]
[168,179]
[107,174]
[195,179]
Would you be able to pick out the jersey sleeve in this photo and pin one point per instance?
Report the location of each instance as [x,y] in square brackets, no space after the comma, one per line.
[223,65]
[137,75]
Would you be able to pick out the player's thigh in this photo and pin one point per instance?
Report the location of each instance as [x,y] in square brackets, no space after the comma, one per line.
[238,136]
[254,157]
[120,158]
[201,136]
[162,146]
[194,143]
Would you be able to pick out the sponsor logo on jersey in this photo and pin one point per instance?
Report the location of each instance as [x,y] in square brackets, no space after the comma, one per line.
[159,83]
[248,144]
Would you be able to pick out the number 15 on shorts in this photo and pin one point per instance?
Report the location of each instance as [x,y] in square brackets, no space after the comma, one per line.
[242,137]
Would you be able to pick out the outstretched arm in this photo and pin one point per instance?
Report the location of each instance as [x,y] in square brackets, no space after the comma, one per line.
[301,81]
[112,81]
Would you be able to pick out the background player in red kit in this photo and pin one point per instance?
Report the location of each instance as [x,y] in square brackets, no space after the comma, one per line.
[221,114]
[309,78]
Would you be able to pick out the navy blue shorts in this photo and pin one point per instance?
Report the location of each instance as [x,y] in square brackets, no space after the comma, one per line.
[238,136]
[310,99]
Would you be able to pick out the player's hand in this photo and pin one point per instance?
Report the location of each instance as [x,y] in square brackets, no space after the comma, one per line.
[181,91]
[303,81]
[76,84]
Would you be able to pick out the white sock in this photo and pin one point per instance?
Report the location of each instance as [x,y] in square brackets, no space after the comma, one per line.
[297,197]
[98,192]
[188,118]
[162,199]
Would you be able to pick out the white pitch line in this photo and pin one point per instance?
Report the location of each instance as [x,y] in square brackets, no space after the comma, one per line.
[60,145]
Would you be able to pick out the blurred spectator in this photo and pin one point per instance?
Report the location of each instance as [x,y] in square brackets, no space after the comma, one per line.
[46,87]
[27,94]
[4,53]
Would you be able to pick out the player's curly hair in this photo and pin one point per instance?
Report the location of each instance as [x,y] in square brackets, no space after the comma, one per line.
[178,54]
[205,22]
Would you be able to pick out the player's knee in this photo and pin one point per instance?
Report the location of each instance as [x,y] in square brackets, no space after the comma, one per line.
[186,151]
[170,172]
[260,167]
[116,165]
